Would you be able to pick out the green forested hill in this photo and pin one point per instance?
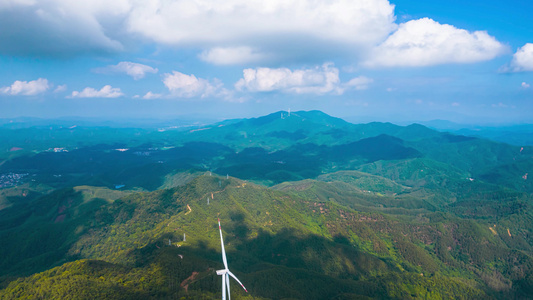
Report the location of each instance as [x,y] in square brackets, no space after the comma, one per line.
[282,245]
[269,150]
[313,208]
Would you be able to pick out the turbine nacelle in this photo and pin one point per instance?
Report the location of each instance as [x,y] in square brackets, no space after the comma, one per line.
[222,272]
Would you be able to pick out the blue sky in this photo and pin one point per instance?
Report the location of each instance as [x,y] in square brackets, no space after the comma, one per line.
[366,60]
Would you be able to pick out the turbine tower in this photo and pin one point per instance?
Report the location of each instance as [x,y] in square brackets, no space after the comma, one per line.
[226,272]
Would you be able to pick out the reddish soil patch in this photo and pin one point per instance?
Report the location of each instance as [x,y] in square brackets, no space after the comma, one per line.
[60,218]
[190,279]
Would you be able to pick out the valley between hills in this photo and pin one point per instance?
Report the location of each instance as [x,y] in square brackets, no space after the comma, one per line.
[311,206]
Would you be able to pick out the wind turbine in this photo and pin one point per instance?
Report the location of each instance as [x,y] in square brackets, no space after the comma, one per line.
[226,273]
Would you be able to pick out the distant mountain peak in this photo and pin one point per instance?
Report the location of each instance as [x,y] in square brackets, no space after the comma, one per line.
[295,118]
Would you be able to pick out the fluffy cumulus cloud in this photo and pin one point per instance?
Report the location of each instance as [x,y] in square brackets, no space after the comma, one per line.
[272,26]
[232,31]
[61,27]
[105,92]
[151,95]
[522,59]
[135,70]
[26,88]
[425,42]
[189,86]
[319,80]
[241,32]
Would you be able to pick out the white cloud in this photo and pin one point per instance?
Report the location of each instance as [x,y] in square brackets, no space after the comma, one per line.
[424,42]
[188,86]
[62,27]
[256,22]
[359,83]
[522,59]
[238,31]
[26,88]
[231,55]
[275,27]
[526,85]
[106,92]
[60,88]
[320,80]
[151,95]
[135,70]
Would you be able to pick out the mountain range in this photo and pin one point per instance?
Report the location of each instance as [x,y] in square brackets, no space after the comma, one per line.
[312,207]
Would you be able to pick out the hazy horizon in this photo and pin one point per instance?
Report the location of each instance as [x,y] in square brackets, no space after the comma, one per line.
[200,120]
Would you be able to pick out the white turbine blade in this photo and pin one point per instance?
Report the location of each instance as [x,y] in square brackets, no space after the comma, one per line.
[223,286]
[235,277]
[227,283]
[222,245]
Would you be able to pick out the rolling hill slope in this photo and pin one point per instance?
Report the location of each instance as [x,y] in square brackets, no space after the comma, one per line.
[314,248]
[313,208]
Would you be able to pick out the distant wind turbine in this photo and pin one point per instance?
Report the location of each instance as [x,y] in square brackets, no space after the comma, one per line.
[226,272]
